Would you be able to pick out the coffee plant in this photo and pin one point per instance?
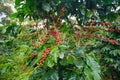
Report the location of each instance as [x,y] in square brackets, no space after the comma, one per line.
[85,49]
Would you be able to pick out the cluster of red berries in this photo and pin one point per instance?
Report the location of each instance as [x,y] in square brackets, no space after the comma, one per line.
[32,55]
[63,9]
[117,29]
[94,23]
[105,23]
[114,30]
[45,24]
[111,30]
[34,33]
[90,29]
[96,29]
[54,34]
[97,36]
[111,41]
[77,35]
[42,41]
[44,55]
[50,32]
[57,38]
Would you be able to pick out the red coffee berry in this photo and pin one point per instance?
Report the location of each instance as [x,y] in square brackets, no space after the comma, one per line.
[48,48]
[90,22]
[32,55]
[41,61]
[44,56]
[107,23]
[111,30]
[117,29]
[63,9]
[113,41]
[102,23]
[34,45]
[94,23]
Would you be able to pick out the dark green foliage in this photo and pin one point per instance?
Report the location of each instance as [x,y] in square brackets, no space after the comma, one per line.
[75,56]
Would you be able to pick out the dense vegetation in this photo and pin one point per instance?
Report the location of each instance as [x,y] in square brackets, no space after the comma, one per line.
[52,46]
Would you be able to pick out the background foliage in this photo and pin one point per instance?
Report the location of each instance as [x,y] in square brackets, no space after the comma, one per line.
[87,48]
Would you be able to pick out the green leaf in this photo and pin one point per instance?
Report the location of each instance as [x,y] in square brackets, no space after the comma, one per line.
[64,62]
[4,30]
[4,69]
[50,62]
[94,66]
[64,28]
[21,18]
[14,15]
[50,75]
[55,57]
[1,41]
[24,46]
[88,73]
[79,63]
[96,75]
[55,53]
[112,16]
[54,75]
[46,7]
[17,2]
[1,28]
[70,59]
[89,13]
[80,51]
[63,47]
[70,75]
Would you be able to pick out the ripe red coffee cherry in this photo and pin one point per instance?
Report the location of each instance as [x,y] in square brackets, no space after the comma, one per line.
[111,30]
[41,61]
[44,56]
[63,9]
[32,55]
[102,23]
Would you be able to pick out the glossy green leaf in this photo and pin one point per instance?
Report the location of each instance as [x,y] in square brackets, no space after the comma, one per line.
[63,47]
[51,75]
[94,67]
[46,7]
[79,63]
[50,62]
[55,53]
[70,59]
